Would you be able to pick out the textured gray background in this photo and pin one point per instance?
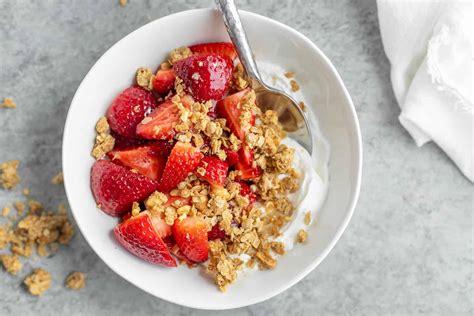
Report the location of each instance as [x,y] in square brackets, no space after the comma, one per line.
[408,249]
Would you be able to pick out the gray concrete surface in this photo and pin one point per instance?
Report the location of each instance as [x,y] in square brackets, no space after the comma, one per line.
[408,249]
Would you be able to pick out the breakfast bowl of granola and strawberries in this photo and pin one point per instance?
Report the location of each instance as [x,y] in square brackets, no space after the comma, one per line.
[185,186]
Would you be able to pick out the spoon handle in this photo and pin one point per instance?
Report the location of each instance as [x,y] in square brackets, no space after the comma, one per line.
[239,38]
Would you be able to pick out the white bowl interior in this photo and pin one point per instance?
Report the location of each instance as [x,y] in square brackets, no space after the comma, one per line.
[272,42]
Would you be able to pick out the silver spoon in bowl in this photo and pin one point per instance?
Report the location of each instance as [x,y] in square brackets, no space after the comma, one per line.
[290,115]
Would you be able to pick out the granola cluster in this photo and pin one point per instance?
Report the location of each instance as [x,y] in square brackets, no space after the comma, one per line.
[104,142]
[9,177]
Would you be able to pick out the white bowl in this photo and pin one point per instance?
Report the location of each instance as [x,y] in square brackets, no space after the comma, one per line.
[271,41]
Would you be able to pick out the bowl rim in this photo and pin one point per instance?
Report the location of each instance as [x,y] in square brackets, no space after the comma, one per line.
[353,196]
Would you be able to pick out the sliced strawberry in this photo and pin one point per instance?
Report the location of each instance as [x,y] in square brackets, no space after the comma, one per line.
[139,236]
[230,109]
[145,159]
[246,164]
[115,188]
[162,229]
[160,123]
[216,170]
[191,236]
[128,109]
[182,201]
[164,80]
[246,192]
[216,233]
[184,158]
[222,48]
[232,156]
[206,77]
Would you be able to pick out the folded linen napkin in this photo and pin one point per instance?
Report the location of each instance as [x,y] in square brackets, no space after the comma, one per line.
[429,46]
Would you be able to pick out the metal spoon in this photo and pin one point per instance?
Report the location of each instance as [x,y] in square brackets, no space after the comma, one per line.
[290,115]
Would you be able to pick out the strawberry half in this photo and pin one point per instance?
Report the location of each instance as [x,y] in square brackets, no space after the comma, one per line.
[128,109]
[115,188]
[206,77]
[160,123]
[230,109]
[146,159]
[222,48]
[140,236]
[184,158]
[216,170]
[191,236]
[164,81]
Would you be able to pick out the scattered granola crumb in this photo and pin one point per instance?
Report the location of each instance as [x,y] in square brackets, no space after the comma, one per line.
[144,77]
[302,106]
[307,218]
[104,142]
[19,207]
[135,209]
[178,54]
[76,280]
[302,236]
[58,178]
[11,263]
[38,282]
[123,3]
[8,103]
[278,247]
[266,260]
[294,85]
[5,211]
[289,74]
[26,192]
[9,177]
[34,206]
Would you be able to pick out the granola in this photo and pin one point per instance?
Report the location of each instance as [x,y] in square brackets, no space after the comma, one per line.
[58,178]
[11,263]
[38,282]
[9,177]
[8,103]
[76,280]
[104,142]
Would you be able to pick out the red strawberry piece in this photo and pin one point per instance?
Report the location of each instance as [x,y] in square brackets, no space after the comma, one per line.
[246,164]
[160,123]
[182,201]
[222,48]
[145,159]
[115,188]
[232,156]
[191,236]
[216,170]
[216,233]
[128,109]
[184,158]
[230,109]
[164,81]
[162,229]
[246,192]
[139,236]
[206,77]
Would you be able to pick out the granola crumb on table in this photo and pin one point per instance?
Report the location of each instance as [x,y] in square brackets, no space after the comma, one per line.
[294,85]
[76,280]
[58,178]
[9,177]
[8,103]
[123,3]
[38,282]
[11,263]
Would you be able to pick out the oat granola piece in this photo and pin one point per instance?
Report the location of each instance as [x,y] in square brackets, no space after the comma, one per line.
[34,206]
[5,211]
[58,178]
[11,263]
[104,142]
[294,85]
[8,103]
[144,78]
[307,218]
[76,280]
[178,54]
[9,177]
[38,282]
[123,3]
[20,207]
[265,260]
[26,192]
[301,236]
[302,105]
[289,74]
[135,209]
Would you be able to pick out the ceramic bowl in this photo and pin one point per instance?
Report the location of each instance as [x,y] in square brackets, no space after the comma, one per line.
[271,41]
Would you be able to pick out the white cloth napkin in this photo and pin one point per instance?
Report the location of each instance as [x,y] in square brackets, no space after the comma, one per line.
[429,46]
